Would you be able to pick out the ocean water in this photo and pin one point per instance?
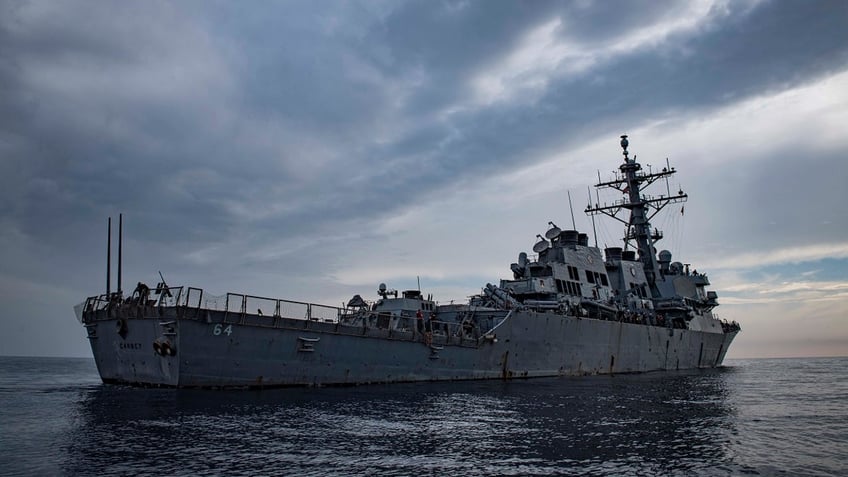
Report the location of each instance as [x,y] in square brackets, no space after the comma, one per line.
[752,417]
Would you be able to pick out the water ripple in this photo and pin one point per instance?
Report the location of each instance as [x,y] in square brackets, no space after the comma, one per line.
[757,417]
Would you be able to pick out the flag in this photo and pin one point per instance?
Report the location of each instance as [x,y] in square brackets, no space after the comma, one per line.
[681,209]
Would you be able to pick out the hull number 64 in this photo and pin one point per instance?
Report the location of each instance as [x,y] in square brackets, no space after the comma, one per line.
[219,329]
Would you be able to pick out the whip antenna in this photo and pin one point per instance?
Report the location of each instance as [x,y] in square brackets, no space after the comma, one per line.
[573,225]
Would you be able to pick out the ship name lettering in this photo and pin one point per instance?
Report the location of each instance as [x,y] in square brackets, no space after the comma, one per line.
[130,345]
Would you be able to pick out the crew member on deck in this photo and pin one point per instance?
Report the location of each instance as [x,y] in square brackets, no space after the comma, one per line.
[428,329]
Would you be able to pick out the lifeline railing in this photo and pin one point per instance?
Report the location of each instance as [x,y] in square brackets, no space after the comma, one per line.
[242,304]
[194,299]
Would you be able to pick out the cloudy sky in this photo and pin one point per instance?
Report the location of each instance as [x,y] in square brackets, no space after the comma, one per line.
[311,150]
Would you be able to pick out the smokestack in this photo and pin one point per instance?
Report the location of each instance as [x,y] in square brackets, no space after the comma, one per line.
[109,260]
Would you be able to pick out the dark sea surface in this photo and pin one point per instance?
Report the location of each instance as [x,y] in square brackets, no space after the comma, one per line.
[753,417]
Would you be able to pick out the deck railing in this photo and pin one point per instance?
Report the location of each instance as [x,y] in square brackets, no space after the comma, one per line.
[241,305]
[232,304]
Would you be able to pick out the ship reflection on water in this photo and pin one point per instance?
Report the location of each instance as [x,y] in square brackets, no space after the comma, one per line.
[651,423]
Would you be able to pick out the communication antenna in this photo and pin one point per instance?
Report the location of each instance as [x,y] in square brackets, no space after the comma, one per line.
[541,245]
[109,260]
[120,247]
[573,225]
[594,230]
[552,232]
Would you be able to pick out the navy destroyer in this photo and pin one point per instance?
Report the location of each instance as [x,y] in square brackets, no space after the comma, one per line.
[568,309]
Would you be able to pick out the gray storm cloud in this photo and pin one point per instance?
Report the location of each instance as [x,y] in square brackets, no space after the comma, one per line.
[267,145]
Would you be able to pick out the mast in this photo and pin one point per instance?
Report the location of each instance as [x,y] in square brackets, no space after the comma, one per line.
[594,230]
[631,181]
[120,254]
[109,261]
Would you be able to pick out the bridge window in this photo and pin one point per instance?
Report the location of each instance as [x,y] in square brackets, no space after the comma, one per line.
[573,288]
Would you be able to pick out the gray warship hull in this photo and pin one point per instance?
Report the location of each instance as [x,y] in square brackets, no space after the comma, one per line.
[212,350]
